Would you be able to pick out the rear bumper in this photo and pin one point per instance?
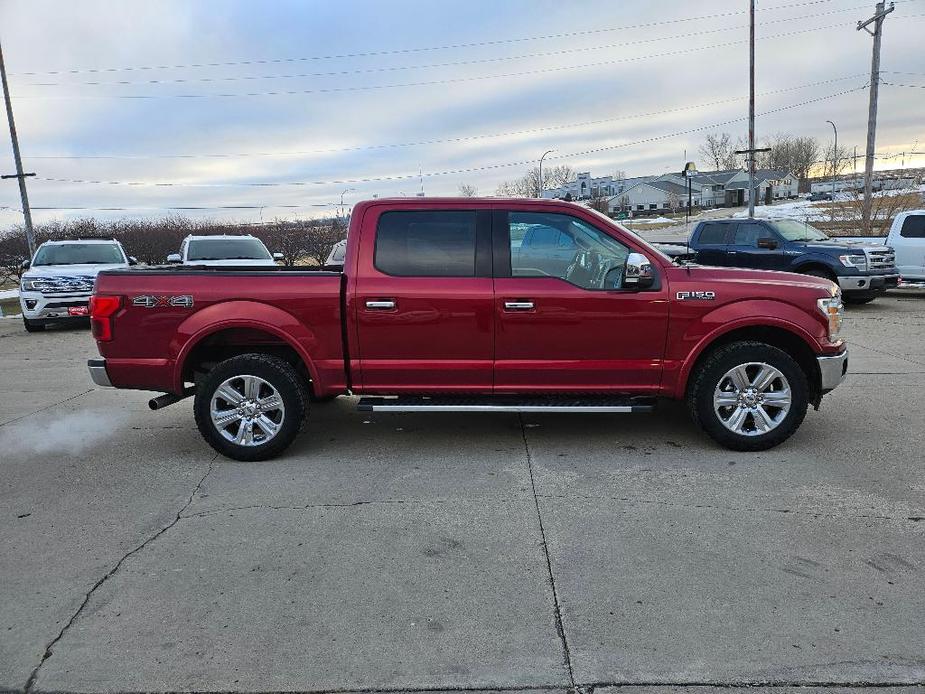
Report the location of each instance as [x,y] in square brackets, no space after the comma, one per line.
[832,370]
[98,374]
[867,283]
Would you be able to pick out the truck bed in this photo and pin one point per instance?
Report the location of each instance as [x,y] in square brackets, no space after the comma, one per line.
[168,311]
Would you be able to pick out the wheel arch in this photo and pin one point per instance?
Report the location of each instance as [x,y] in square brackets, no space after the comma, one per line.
[816,264]
[788,338]
[243,327]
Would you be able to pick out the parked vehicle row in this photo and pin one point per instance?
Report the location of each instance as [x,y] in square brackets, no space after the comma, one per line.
[473,305]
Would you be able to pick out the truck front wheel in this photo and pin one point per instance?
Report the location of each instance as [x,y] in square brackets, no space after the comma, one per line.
[250,407]
[748,396]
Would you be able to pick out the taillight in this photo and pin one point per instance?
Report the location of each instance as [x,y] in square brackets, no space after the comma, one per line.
[102,308]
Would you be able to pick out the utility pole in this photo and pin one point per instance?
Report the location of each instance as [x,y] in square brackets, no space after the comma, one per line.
[751,108]
[834,157]
[26,213]
[880,14]
[752,150]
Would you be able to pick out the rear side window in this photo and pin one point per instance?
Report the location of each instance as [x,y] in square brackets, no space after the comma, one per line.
[913,227]
[426,244]
[748,233]
[712,233]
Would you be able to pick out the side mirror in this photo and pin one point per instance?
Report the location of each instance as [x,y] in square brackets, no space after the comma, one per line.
[132,260]
[638,273]
[770,244]
[174,258]
[26,264]
[277,256]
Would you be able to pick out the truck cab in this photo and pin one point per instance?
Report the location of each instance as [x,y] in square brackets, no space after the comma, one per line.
[907,238]
[863,270]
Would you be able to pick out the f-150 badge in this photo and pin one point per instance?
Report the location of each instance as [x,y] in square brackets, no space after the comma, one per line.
[151,301]
[696,296]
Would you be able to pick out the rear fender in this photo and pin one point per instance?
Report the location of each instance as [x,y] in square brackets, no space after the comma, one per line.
[241,314]
[702,333]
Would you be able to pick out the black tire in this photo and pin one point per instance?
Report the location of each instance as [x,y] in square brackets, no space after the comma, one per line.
[709,375]
[33,326]
[819,272]
[858,300]
[275,372]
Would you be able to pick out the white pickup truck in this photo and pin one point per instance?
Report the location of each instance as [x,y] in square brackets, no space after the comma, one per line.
[224,250]
[907,237]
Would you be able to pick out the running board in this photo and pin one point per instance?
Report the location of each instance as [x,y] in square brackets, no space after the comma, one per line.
[502,403]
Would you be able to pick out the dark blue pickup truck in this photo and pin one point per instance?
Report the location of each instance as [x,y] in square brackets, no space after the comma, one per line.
[862,270]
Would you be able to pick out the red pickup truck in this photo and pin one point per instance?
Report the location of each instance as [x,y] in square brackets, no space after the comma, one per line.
[473,305]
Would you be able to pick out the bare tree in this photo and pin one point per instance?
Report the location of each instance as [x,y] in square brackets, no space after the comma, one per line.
[839,161]
[717,150]
[467,190]
[528,185]
[557,176]
[674,201]
[788,153]
[599,202]
[320,237]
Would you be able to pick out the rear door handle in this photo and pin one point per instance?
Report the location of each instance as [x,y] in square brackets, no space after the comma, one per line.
[381,305]
[518,305]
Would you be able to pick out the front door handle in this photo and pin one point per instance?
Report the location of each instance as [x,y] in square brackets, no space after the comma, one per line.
[381,305]
[518,305]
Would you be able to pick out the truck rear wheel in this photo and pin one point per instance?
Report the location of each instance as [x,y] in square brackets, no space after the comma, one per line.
[748,396]
[250,407]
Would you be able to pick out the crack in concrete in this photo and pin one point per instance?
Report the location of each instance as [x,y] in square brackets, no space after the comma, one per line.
[30,683]
[47,407]
[212,512]
[670,504]
[560,629]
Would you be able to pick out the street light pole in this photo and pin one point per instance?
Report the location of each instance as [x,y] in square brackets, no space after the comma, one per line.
[540,185]
[834,158]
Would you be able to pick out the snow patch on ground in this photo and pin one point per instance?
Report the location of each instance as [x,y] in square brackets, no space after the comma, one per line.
[649,220]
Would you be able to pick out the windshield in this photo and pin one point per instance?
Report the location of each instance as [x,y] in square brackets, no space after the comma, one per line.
[798,231]
[227,249]
[79,254]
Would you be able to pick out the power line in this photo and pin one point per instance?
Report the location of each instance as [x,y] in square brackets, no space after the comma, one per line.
[404,51]
[476,61]
[467,138]
[426,83]
[398,177]
[909,86]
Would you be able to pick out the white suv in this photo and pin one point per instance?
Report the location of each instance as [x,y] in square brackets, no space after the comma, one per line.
[57,284]
[224,251]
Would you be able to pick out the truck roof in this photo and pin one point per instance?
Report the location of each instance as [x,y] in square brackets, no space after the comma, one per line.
[202,237]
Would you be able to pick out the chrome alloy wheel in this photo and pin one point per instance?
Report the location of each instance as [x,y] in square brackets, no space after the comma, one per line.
[247,410]
[752,399]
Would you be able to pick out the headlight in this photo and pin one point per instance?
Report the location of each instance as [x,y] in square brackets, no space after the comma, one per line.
[834,312]
[858,261]
[31,285]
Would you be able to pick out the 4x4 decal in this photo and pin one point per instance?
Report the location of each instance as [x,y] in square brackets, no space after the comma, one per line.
[151,301]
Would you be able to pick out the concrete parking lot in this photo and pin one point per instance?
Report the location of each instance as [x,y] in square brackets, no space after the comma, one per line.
[462,552]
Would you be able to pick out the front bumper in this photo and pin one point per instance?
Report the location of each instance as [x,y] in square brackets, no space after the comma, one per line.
[867,283]
[98,374]
[832,370]
[52,308]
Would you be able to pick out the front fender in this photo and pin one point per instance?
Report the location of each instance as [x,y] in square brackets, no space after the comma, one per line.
[241,314]
[699,334]
[805,261]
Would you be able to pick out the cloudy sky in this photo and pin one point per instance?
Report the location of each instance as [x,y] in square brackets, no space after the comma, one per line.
[113,97]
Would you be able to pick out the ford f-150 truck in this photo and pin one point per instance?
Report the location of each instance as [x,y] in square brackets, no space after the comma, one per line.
[442,306]
[862,269]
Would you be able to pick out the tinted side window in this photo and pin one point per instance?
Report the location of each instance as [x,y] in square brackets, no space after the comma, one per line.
[748,233]
[426,244]
[913,227]
[573,250]
[712,233]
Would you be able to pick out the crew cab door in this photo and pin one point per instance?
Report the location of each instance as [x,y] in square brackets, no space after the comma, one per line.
[755,245]
[711,243]
[572,327]
[910,247]
[422,301]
